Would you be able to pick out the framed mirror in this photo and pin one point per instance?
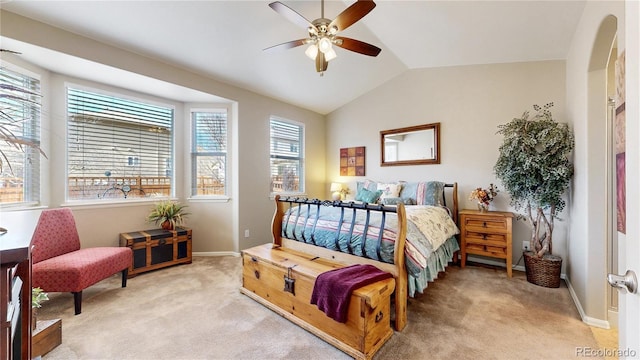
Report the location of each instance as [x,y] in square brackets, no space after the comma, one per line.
[413,145]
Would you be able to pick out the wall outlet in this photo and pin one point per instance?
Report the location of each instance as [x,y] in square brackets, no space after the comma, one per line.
[526,245]
[246,233]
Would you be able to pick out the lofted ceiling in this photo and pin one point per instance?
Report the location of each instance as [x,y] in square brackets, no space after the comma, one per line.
[225,39]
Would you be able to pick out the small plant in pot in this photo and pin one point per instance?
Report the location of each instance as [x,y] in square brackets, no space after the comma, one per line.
[168,214]
[534,168]
[37,297]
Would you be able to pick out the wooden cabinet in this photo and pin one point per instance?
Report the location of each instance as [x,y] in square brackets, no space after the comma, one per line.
[157,248]
[487,234]
[15,301]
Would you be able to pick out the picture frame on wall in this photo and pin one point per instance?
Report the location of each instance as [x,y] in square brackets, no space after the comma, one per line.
[352,161]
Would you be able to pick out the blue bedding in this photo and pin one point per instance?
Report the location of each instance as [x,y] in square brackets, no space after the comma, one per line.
[430,241]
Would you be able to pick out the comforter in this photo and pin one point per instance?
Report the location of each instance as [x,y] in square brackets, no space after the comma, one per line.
[428,229]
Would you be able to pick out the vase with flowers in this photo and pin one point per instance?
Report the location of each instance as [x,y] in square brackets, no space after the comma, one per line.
[484,197]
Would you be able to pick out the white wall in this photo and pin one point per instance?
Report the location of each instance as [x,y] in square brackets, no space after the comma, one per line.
[469,102]
[217,226]
[586,109]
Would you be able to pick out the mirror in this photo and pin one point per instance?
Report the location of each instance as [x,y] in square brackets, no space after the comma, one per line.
[413,145]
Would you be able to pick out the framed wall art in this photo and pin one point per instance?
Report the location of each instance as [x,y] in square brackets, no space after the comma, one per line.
[352,161]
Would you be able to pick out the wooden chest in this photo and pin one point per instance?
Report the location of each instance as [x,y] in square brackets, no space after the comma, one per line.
[368,324]
[46,336]
[157,248]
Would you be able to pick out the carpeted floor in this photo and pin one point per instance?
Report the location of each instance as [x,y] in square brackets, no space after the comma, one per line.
[197,312]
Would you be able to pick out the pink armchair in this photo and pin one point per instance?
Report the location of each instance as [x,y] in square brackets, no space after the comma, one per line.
[58,263]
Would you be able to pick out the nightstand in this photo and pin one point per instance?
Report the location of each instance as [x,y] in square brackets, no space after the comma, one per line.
[487,234]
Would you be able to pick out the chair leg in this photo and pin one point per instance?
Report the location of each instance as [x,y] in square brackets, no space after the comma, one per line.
[125,274]
[77,301]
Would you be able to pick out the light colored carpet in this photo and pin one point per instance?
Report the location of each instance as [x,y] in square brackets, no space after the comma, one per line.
[197,312]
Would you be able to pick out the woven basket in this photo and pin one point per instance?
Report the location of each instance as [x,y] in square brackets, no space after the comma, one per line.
[543,271]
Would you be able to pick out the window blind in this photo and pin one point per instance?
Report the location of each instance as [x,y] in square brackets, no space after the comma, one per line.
[209,152]
[287,170]
[116,144]
[20,131]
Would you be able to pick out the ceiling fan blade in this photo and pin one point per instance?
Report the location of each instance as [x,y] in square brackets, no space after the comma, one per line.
[10,51]
[291,15]
[352,14]
[287,45]
[321,62]
[357,46]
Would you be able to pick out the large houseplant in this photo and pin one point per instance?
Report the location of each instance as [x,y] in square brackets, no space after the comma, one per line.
[534,168]
[168,214]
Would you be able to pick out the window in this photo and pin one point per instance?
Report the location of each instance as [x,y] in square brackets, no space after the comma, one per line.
[117,147]
[20,134]
[209,152]
[287,156]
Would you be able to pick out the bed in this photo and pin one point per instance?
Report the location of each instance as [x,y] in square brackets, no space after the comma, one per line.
[416,243]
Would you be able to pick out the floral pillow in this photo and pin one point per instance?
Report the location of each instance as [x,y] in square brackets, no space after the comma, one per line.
[389,190]
[367,184]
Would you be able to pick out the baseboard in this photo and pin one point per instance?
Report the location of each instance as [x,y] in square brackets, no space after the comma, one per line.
[217,253]
[586,319]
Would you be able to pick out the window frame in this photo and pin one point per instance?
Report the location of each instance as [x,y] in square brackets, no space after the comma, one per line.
[129,95]
[302,158]
[193,153]
[34,171]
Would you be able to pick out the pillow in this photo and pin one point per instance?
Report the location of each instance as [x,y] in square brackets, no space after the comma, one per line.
[367,196]
[389,190]
[424,192]
[367,184]
[395,201]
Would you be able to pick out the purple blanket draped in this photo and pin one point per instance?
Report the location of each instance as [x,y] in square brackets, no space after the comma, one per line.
[332,289]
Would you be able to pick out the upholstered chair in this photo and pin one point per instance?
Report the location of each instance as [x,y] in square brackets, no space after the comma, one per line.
[60,265]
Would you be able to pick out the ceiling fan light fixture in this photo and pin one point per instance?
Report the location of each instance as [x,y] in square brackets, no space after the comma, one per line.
[323,32]
[311,52]
[330,55]
[324,45]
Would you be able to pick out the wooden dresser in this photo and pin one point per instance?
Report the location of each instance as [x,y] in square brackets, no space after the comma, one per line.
[486,234]
[15,302]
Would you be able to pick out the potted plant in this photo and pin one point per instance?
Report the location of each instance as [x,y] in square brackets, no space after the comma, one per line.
[168,214]
[37,297]
[534,168]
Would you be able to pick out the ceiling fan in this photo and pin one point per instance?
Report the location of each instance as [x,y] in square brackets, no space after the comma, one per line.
[323,32]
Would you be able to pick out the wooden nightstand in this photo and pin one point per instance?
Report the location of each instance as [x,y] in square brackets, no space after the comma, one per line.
[487,234]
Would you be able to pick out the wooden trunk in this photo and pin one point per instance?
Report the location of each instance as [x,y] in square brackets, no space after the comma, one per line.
[46,337]
[157,248]
[368,324]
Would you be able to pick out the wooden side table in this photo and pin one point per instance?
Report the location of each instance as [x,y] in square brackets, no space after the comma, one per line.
[487,234]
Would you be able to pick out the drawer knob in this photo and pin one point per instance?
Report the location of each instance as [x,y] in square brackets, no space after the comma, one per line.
[379,316]
[484,236]
[484,224]
[257,274]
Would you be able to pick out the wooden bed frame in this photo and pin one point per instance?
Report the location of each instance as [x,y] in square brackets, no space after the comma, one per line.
[397,269]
